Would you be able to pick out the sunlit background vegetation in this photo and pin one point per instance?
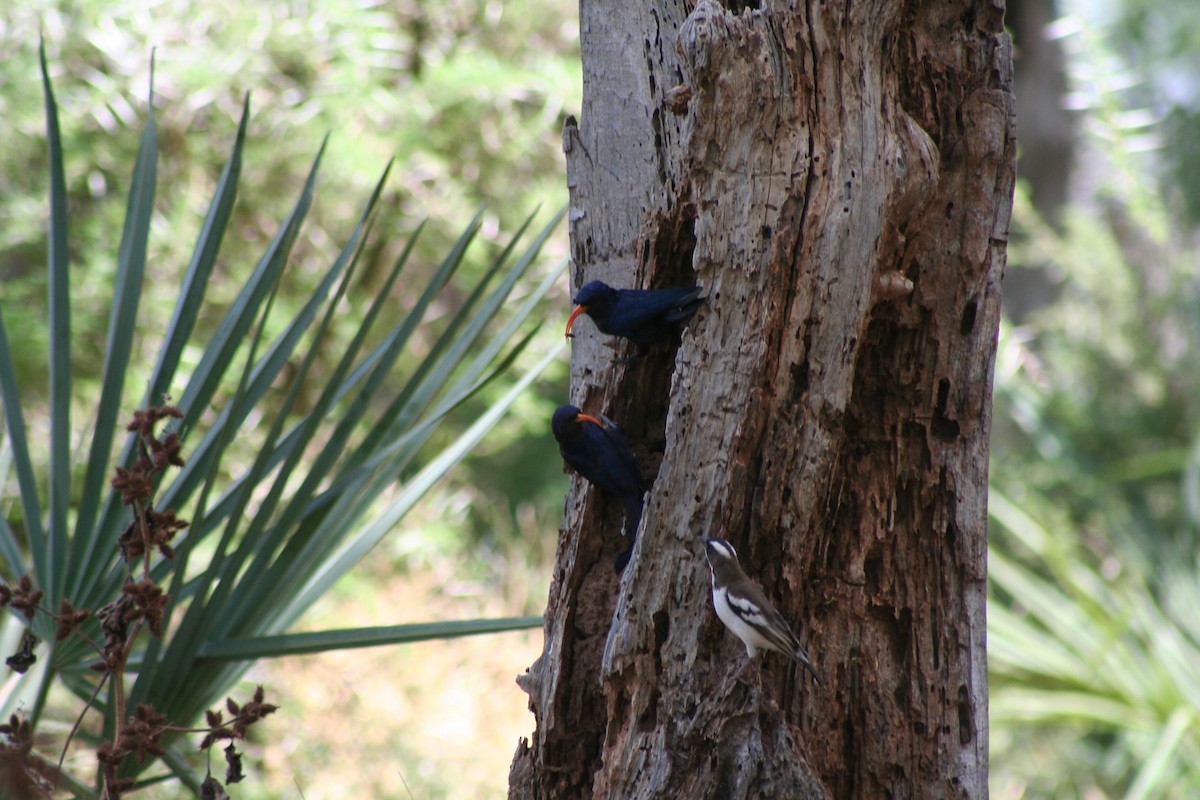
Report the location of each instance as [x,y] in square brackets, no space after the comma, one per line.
[1094,635]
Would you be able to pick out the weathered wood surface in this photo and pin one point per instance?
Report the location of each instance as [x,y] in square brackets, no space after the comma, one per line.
[839,180]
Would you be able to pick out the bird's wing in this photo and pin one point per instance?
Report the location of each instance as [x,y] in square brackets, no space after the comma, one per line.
[605,461]
[754,607]
[638,307]
[685,306]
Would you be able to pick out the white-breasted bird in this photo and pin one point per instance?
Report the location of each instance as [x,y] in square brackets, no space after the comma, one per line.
[746,611]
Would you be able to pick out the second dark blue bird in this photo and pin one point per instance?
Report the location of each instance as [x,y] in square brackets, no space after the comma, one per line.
[644,316]
[597,450]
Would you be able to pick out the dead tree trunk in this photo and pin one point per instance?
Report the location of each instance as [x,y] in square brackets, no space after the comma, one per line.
[838,177]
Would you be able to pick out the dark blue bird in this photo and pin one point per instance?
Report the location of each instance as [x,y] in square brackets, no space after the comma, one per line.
[644,316]
[597,450]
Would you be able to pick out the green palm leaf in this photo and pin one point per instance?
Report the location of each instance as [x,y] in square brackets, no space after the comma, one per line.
[340,453]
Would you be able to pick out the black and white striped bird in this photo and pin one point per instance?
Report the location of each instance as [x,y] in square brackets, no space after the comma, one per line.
[746,611]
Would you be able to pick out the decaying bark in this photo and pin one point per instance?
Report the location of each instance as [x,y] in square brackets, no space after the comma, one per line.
[838,177]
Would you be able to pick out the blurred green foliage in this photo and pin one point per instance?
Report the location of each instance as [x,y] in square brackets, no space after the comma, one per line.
[1094,640]
[469,97]
[1148,53]
[302,454]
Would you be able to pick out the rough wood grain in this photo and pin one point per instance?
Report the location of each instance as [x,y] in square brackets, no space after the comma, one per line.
[839,179]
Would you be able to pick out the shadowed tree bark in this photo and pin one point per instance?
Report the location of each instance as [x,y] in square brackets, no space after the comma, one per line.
[838,177]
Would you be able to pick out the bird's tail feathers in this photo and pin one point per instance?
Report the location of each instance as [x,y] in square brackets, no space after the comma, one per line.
[688,304]
[623,559]
[633,515]
[633,518]
[802,658]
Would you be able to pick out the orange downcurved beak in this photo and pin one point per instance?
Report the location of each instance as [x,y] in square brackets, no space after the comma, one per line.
[588,418]
[571,319]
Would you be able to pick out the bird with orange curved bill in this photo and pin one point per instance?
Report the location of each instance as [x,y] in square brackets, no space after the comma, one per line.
[644,316]
[596,448]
